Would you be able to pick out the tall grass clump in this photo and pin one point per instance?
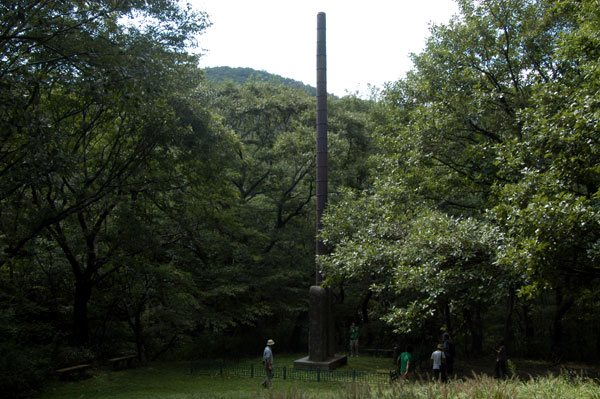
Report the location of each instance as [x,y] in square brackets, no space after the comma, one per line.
[555,387]
[478,387]
[483,387]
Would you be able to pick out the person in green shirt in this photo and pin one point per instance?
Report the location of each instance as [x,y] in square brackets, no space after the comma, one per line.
[405,360]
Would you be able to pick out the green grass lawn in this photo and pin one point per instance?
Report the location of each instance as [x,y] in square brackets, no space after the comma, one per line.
[173,380]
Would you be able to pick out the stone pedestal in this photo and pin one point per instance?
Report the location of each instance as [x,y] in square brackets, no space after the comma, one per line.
[329,364]
[321,334]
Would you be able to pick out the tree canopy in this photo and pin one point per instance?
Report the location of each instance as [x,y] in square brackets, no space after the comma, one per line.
[485,182]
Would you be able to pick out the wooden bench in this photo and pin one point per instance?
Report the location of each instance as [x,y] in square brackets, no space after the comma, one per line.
[75,372]
[122,362]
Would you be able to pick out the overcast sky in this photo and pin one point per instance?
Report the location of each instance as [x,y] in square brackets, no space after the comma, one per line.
[368,42]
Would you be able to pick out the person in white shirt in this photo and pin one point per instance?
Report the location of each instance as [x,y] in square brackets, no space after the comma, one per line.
[438,359]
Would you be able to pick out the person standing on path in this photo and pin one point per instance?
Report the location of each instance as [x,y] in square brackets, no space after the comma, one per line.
[438,360]
[268,363]
[353,339]
[501,360]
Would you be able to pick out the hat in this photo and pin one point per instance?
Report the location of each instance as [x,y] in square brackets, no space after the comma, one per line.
[270,342]
[440,346]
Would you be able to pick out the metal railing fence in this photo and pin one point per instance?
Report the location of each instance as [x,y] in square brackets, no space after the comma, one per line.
[289,373]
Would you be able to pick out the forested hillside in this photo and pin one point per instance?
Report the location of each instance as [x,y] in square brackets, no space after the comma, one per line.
[151,206]
[243,75]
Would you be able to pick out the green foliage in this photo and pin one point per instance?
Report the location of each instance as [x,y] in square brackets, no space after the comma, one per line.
[444,261]
[260,255]
[141,204]
[23,368]
[28,335]
[100,120]
[485,182]
[512,368]
[550,210]
[266,255]
[77,84]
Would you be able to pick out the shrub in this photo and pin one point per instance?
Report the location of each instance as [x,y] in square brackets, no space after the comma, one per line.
[22,369]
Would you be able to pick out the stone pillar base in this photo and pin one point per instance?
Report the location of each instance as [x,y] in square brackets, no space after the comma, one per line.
[329,364]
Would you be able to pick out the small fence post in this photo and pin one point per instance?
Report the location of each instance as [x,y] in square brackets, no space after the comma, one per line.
[221,369]
[251,371]
[284,372]
[318,375]
[353,375]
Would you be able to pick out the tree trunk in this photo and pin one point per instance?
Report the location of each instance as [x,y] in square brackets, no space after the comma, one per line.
[474,325]
[83,291]
[508,328]
[478,342]
[593,356]
[365,307]
[365,318]
[529,329]
[139,338]
[297,333]
[448,319]
[562,307]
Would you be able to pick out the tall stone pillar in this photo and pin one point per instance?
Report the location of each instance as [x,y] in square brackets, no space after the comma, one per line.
[321,337]
[321,161]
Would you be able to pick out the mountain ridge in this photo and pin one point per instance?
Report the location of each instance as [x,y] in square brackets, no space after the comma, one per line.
[241,75]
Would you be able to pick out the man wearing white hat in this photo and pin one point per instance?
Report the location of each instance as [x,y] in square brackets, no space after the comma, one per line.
[268,363]
[438,360]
